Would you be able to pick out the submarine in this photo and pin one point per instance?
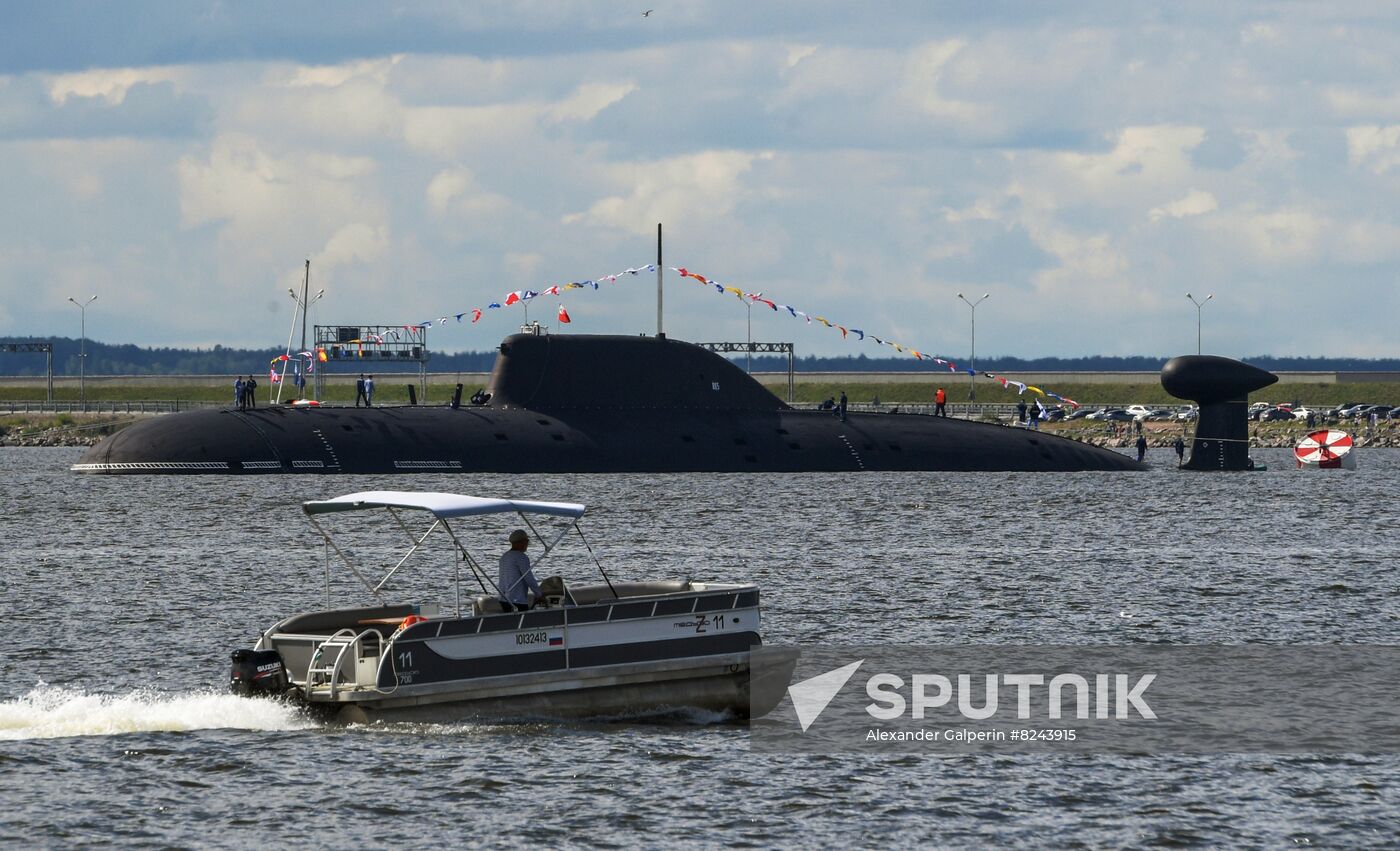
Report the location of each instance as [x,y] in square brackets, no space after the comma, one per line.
[571,403]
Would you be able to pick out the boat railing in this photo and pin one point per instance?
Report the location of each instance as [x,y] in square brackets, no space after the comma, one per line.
[343,640]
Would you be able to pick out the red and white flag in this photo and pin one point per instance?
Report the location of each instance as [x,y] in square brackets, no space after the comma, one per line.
[564,315]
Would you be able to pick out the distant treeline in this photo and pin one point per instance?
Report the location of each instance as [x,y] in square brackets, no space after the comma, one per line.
[127,359]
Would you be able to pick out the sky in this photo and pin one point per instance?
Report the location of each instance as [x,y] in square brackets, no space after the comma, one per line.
[1085,165]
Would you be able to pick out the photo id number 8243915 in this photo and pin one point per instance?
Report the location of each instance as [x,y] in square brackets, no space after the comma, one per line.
[1031,734]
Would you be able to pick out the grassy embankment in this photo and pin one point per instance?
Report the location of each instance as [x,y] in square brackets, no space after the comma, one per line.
[384,392]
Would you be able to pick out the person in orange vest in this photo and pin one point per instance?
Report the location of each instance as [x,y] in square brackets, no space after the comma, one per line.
[940,399]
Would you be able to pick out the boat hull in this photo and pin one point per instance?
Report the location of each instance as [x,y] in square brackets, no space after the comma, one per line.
[718,685]
[622,649]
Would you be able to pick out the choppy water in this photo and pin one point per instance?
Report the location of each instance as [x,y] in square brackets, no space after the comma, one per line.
[123,597]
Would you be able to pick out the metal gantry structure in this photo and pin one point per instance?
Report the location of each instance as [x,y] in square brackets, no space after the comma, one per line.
[758,348]
[363,347]
[44,348]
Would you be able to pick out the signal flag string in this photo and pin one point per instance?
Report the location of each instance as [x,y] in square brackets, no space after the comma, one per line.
[753,298]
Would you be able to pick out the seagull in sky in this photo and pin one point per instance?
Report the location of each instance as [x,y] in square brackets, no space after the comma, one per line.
[647,13]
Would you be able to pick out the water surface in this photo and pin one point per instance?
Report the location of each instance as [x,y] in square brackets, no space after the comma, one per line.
[124,596]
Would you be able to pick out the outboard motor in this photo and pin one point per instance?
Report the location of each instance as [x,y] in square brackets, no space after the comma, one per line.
[258,673]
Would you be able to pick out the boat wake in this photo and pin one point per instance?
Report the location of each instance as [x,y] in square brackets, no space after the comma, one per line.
[49,712]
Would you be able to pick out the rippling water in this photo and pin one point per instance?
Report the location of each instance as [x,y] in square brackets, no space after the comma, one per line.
[125,595]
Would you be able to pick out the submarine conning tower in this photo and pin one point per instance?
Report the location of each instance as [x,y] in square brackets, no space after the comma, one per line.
[1221,387]
[604,371]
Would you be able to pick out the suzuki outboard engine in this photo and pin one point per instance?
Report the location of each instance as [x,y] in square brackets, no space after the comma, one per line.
[258,673]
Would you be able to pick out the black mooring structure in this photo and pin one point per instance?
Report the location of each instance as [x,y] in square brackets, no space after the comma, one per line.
[1221,387]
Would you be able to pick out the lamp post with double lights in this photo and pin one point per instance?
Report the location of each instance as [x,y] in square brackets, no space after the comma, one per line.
[82,347]
[972,379]
[1199,305]
[304,305]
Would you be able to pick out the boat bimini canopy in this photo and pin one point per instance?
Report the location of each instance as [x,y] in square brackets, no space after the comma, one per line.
[442,506]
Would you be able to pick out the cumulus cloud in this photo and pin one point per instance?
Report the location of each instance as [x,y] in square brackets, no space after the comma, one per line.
[697,189]
[111,84]
[123,105]
[1374,148]
[1195,203]
[1086,166]
[267,207]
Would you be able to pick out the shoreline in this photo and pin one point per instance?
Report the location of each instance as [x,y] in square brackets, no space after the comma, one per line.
[50,430]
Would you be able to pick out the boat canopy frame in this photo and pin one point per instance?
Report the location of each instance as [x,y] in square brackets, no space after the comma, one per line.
[442,506]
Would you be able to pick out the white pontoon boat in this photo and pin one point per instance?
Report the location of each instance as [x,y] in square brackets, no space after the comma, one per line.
[599,649]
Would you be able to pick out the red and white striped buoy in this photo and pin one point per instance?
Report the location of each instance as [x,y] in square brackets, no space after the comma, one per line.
[1325,449]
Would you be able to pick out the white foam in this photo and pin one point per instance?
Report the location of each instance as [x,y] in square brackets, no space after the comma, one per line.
[49,712]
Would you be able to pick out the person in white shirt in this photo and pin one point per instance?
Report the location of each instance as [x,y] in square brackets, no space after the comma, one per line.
[515,577]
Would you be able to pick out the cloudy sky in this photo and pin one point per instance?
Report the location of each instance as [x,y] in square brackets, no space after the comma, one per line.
[1086,164]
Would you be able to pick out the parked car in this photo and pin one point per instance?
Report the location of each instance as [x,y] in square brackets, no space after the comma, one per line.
[1275,414]
[1117,415]
[1355,410]
[1079,414]
[1139,411]
[1188,415]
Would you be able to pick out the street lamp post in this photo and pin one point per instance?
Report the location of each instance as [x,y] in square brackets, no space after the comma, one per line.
[972,379]
[1199,305]
[303,304]
[748,356]
[82,347]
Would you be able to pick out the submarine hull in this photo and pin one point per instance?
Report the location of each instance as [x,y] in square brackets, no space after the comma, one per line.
[586,404]
[425,440]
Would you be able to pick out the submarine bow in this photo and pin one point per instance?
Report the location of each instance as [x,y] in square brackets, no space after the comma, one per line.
[586,403]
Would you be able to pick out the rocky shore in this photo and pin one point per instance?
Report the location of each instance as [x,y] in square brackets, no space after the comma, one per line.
[60,430]
[68,431]
[1268,436]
